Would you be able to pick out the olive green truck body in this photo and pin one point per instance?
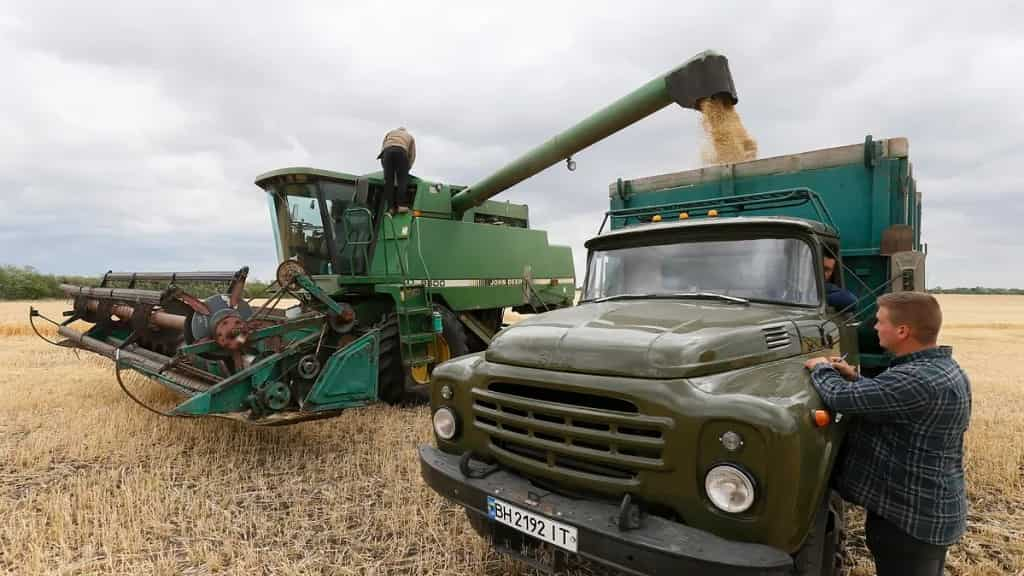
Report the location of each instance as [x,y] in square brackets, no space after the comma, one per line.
[603,429]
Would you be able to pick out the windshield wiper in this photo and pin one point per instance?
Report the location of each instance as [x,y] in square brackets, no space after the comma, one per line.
[710,296]
[673,296]
[625,297]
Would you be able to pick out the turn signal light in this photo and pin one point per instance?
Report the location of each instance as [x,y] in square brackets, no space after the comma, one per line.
[821,418]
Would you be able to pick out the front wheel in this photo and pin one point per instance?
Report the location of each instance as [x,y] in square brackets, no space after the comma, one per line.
[408,385]
[821,554]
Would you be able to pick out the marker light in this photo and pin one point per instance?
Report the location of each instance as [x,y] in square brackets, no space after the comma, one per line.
[656,218]
[821,418]
[683,215]
[712,212]
[731,441]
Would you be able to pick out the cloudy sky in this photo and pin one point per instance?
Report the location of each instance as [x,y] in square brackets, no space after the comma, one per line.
[130,133]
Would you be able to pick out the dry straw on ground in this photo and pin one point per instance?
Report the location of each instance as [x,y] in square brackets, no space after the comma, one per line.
[92,484]
[727,140]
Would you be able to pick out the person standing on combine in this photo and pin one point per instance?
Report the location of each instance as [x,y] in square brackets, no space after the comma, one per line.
[397,154]
[904,457]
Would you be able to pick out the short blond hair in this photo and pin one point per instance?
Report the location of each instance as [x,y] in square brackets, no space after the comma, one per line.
[918,310]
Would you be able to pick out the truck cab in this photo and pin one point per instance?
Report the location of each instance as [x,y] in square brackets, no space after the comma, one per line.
[667,422]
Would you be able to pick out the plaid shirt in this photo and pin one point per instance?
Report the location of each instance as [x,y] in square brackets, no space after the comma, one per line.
[904,457]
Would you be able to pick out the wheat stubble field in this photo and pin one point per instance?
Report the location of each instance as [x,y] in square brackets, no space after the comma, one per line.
[92,484]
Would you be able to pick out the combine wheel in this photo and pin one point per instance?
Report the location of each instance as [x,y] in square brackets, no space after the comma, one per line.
[390,376]
[451,343]
[440,351]
[453,332]
[395,384]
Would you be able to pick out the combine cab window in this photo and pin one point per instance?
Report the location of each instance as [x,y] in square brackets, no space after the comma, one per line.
[766,269]
[302,232]
[299,223]
[352,226]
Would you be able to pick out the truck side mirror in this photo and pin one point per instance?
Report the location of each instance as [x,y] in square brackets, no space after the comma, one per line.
[907,271]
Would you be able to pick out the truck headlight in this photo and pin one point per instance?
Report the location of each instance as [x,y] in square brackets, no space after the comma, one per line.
[445,424]
[729,488]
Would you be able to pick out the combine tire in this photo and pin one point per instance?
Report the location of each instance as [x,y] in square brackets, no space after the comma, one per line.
[456,339]
[390,375]
[394,385]
[454,332]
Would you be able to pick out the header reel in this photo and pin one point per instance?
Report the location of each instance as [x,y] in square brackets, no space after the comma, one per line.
[229,356]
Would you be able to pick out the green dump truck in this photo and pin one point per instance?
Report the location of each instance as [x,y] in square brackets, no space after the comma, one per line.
[666,424]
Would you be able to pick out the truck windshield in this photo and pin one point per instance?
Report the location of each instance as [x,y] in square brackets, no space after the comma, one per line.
[764,269]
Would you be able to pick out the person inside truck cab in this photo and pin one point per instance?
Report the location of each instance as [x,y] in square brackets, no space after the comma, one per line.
[836,296]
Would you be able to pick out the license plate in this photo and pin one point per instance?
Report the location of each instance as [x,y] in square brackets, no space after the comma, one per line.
[540,527]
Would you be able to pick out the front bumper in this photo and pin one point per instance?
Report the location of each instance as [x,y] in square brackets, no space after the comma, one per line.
[659,546]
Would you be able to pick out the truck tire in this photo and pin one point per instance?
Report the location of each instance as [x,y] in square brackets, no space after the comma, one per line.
[821,553]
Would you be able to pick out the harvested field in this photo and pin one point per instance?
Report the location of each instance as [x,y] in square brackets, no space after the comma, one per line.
[92,484]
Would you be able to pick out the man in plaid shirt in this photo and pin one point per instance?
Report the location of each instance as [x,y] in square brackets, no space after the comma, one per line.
[904,456]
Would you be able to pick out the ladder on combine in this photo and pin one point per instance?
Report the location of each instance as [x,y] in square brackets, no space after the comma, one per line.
[417,326]
[418,323]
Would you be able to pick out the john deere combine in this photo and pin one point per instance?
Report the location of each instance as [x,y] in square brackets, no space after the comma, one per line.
[380,298]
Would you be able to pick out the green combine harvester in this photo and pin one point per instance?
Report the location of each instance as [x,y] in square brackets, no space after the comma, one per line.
[381,298]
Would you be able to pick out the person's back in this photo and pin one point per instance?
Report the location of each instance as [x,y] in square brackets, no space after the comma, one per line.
[397,154]
[401,138]
[906,465]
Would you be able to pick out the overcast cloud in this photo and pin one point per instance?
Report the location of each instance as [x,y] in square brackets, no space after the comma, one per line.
[130,133]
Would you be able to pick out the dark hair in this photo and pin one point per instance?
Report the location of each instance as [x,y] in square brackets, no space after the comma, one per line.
[917,310]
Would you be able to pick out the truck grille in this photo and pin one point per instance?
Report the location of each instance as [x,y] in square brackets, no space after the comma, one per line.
[602,437]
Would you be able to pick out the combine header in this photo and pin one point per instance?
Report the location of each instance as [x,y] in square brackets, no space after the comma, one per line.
[381,298]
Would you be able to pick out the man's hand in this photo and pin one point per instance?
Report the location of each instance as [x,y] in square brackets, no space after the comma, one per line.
[845,370]
[814,362]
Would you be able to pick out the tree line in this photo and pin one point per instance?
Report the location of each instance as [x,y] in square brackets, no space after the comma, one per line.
[27,283]
[975,290]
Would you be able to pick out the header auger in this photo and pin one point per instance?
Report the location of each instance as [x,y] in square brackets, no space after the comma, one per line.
[382,298]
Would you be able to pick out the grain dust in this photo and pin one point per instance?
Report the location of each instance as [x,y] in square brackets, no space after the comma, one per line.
[727,140]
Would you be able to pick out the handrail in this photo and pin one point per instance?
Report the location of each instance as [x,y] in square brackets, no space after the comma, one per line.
[732,204]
